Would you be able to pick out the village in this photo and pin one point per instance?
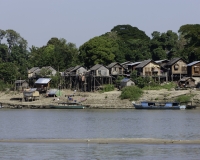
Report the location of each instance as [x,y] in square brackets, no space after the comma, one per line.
[84,84]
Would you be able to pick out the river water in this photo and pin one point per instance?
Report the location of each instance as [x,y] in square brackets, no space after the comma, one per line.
[99,123]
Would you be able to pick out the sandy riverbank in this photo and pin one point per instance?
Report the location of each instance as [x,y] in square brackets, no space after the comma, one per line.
[100,100]
[104,141]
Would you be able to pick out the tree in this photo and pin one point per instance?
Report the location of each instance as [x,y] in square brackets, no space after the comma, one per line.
[163,44]
[98,50]
[191,37]
[2,34]
[126,32]
[57,53]
[8,72]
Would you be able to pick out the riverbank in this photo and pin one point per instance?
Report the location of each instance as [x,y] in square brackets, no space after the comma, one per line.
[104,141]
[106,100]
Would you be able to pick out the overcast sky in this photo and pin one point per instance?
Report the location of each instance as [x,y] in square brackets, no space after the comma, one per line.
[77,21]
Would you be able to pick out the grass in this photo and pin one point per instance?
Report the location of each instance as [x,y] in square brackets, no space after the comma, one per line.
[131,93]
[107,88]
[155,86]
[184,98]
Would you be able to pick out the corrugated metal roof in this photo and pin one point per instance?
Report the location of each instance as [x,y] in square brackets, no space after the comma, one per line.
[48,68]
[160,61]
[112,64]
[132,64]
[20,81]
[125,80]
[33,69]
[43,81]
[193,63]
[172,61]
[75,68]
[96,66]
[143,63]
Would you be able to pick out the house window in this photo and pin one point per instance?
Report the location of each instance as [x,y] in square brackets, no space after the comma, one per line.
[176,66]
[196,69]
[99,72]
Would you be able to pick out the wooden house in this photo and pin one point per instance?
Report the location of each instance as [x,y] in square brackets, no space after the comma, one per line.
[99,70]
[186,82]
[148,68]
[116,69]
[21,85]
[164,72]
[32,72]
[75,77]
[43,84]
[193,69]
[126,82]
[131,66]
[50,71]
[78,70]
[177,68]
[124,64]
[98,76]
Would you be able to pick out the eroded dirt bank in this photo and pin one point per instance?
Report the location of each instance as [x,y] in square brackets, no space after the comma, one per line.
[100,100]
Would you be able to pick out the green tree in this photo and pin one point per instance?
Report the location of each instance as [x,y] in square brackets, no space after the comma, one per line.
[8,72]
[190,33]
[98,50]
[2,34]
[163,45]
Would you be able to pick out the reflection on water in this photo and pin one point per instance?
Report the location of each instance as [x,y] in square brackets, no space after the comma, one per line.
[124,123]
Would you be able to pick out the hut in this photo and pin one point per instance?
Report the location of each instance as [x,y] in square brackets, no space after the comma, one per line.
[20,85]
[43,84]
[186,82]
[31,94]
[126,82]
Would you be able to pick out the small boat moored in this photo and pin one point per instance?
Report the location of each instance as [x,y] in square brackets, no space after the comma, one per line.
[159,105]
[68,105]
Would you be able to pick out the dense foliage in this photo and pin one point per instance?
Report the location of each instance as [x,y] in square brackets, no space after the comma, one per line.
[131,93]
[122,43]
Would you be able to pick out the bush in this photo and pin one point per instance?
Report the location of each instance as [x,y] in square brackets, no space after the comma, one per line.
[4,86]
[107,88]
[184,98]
[131,93]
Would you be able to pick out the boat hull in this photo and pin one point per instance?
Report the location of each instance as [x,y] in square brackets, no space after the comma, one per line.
[153,106]
[64,105]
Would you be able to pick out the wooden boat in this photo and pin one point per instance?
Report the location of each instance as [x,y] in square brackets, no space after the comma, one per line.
[67,105]
[159,105]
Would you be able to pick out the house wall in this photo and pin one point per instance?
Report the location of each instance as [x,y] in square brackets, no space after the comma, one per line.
[194,70]
[102,71]
[179,67]
[117,69]
[151,69]
[81,70]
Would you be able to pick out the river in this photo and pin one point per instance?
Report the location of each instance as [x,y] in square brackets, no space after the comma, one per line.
[99,123]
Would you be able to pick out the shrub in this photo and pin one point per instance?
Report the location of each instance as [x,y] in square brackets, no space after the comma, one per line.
[107,88]
[184,98]
[131,93]
[4,86]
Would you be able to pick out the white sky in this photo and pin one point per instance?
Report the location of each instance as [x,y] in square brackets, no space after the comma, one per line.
[77,21]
